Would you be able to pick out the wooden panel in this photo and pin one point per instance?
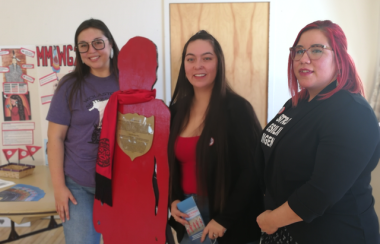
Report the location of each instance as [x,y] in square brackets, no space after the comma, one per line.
[242,31]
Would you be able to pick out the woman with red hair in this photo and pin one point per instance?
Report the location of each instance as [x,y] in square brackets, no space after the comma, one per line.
[318,152]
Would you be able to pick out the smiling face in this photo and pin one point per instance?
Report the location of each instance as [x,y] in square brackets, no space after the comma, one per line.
[97,60]
[315,75]
[201,64]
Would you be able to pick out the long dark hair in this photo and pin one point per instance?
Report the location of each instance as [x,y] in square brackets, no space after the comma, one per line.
[214,126]
[20,106]
[81,69]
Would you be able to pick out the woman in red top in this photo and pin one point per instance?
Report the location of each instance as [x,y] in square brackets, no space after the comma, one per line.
[17,109]
[213,135]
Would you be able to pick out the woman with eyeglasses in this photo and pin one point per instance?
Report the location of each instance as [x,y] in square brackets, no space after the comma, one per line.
[212,137]
[318,152]
[75,119]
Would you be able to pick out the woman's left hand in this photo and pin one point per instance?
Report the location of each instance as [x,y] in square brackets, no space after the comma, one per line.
[214,230]
[265,224]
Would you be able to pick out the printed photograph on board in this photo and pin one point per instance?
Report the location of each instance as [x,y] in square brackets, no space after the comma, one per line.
[16,107]
[14,60]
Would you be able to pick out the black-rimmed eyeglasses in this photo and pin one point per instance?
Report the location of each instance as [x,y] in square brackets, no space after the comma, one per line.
[97,44]
[314,52]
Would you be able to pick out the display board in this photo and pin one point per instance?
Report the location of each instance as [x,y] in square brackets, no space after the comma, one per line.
[29,76]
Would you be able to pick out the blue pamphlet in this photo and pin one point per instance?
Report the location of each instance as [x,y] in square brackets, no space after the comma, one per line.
[195,229]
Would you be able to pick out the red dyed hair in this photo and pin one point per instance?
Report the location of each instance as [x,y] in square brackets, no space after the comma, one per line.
[348,78]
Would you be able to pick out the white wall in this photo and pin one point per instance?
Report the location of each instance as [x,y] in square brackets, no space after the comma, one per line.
[54,22]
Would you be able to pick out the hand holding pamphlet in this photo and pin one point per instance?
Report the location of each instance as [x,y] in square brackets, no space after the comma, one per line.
[196,224]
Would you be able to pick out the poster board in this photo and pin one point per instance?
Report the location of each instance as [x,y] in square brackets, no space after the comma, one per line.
[29,76]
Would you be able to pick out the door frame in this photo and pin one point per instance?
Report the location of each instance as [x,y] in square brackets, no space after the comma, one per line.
[271,52]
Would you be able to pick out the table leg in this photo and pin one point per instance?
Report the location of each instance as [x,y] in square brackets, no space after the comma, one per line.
[52,223]
[13,235]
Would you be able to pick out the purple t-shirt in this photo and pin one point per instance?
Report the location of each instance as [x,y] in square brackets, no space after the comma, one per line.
[84,124]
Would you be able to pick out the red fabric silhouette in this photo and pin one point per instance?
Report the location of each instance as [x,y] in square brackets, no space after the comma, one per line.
[132,216]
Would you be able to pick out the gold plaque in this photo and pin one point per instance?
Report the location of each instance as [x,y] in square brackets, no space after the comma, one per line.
[134,134]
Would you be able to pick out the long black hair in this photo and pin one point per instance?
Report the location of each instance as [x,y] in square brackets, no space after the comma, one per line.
[214,126]
[81,69]
[20,106]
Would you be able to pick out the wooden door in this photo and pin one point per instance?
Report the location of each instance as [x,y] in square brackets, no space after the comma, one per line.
[242,31]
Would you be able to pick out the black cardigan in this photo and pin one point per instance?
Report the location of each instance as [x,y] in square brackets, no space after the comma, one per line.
[321,163]
[245,200]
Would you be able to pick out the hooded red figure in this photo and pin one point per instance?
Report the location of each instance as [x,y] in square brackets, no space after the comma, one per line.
[132,171]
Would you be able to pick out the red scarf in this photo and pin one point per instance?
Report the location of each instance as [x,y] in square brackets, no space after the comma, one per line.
[103,177]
